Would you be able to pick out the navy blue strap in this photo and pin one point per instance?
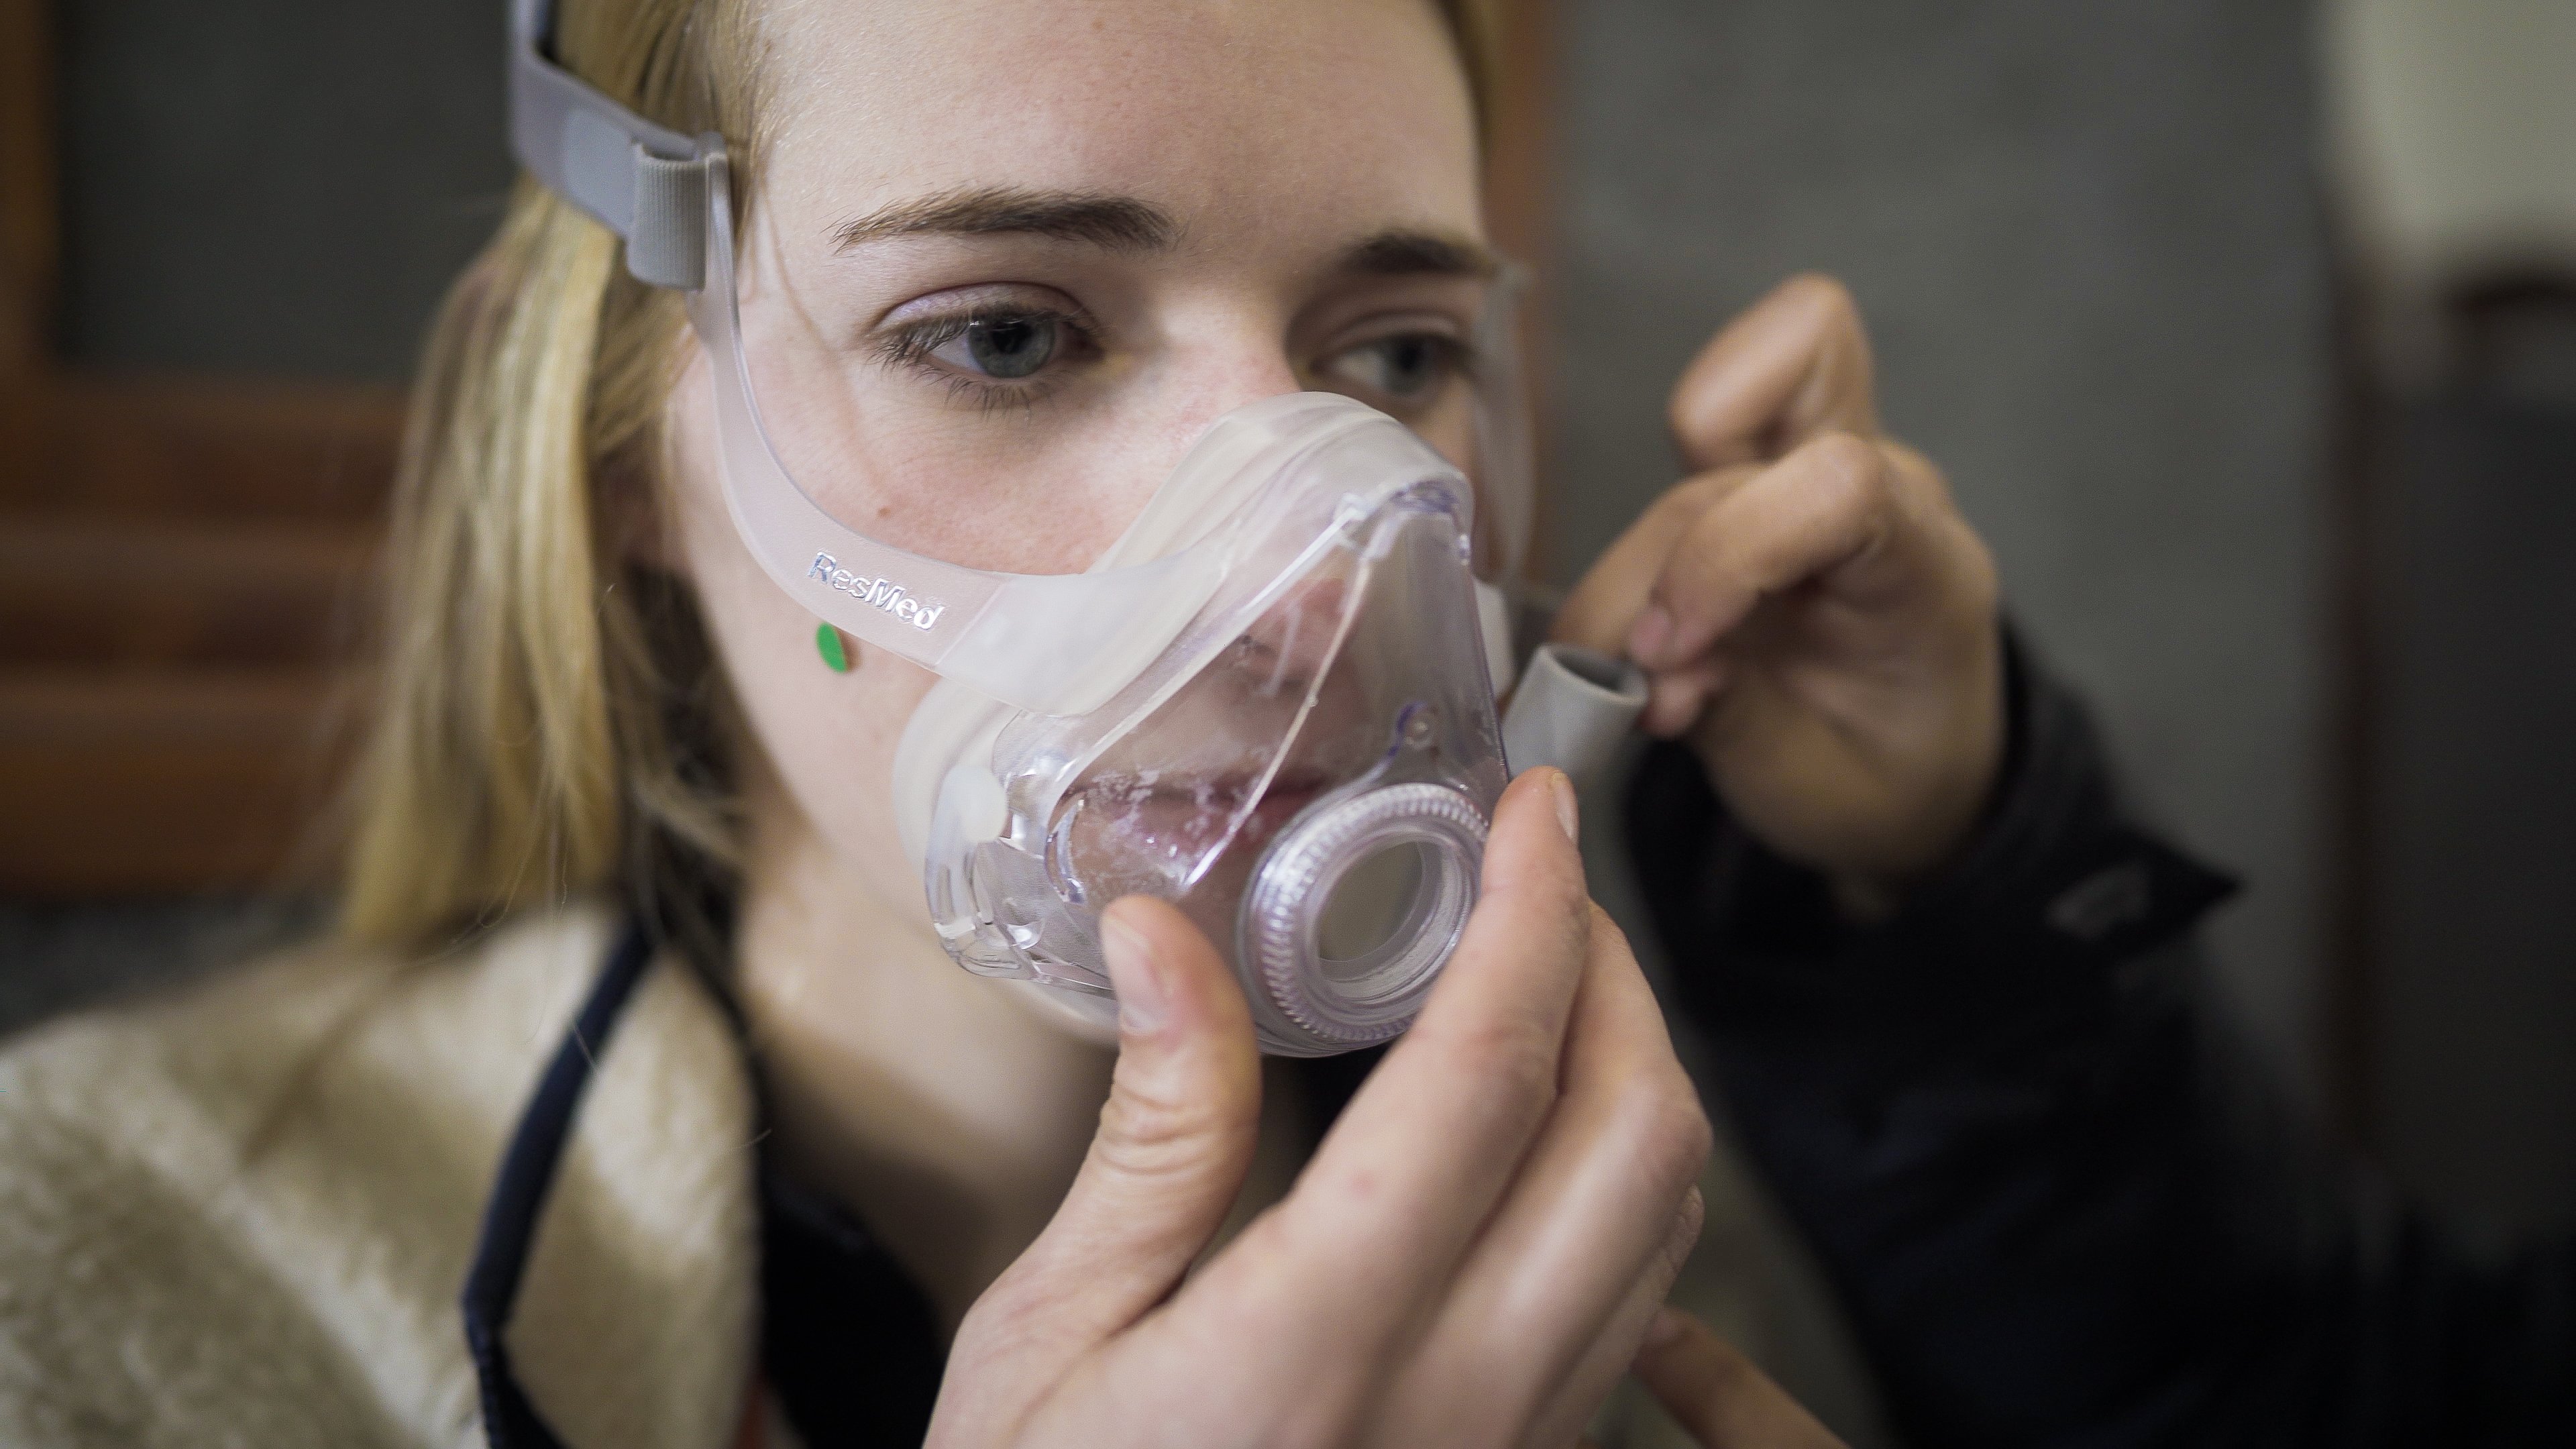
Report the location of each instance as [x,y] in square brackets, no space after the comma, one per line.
[510,1421]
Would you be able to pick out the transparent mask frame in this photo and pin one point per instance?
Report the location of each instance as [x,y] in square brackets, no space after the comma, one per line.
[1350,505]
[1053,643]
[1099,646]
[1058,643]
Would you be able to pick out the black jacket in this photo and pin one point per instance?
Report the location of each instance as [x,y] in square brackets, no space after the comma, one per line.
[2058,1208]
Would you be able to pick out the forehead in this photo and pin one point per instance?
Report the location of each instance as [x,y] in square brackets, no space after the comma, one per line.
[1252,116]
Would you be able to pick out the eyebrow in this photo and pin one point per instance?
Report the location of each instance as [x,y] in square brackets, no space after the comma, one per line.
[1115,223]
[1404,253]
[1128,224]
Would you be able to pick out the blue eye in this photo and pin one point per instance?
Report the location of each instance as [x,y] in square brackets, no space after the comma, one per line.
[998,353]
[1009,347]
[1408,367]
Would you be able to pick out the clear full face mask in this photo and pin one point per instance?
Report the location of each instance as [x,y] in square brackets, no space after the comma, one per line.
[1271,701]
[1304,758]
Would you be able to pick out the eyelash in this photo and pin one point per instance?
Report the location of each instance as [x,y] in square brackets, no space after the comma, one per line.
[911,346]
[1455,353]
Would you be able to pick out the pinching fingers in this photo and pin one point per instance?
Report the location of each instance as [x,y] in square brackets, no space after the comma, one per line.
[1822,507]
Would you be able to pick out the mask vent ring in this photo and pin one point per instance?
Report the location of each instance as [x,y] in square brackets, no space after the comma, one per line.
[1336,1005]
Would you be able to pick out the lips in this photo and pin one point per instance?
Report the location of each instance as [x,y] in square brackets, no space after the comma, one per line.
[1198,809]
[1281,803]
[1169,828]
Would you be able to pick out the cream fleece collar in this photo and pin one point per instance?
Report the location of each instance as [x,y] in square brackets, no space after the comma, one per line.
[243,1214]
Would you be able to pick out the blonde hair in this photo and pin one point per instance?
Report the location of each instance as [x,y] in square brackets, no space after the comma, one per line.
[548,720]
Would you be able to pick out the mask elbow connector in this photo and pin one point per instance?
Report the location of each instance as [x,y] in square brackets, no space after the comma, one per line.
[1572,709]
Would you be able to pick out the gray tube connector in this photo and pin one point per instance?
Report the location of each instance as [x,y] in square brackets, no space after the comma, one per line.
[1572,709]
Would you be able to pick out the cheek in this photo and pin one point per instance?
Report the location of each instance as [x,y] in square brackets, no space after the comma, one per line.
[827,738]
[1450,429]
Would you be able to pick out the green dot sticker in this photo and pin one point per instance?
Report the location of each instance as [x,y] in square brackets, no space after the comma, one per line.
[834,649]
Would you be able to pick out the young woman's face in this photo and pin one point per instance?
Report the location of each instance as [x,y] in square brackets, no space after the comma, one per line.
[1008,258]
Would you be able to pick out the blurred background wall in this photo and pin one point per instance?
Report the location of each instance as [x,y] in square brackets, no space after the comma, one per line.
[2244,330]
[2087,242]
[225,230]
[273,186]
[2452,142]
[2241,327]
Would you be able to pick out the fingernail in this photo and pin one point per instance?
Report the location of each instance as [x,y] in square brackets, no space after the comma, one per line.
[1650,635]
[1568,813]
[1143,1004]
[1666,1329]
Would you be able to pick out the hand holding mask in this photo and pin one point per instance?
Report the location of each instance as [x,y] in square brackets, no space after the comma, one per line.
[1452,1267]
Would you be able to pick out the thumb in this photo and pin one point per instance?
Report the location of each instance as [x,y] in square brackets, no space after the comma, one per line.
[1175,1137]
[1717,1394]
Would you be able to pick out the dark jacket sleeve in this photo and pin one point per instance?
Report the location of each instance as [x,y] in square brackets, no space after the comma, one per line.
[2059,1209]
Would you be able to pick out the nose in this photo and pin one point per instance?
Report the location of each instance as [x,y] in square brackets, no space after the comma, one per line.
[1232,357]
[1294,638]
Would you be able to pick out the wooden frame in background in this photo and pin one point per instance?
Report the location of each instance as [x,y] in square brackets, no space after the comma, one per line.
[177,561]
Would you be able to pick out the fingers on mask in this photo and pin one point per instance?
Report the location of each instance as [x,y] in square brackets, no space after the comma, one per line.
[1175,1138]
[1412,1168]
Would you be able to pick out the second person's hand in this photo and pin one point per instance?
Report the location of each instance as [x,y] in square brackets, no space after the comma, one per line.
[1814,614]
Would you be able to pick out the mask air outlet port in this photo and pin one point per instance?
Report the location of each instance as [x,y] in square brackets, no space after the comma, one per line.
[1352,911]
